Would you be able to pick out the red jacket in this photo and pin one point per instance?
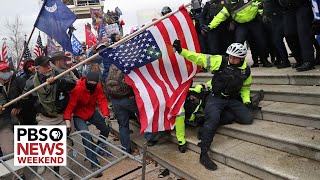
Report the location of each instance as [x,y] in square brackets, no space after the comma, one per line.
[82,103]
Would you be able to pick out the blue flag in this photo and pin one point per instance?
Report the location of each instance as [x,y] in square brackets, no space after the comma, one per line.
[102,29]
[54,19]
[76,45]
[135,53]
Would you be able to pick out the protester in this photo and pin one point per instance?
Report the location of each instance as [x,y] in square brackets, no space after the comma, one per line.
[83,99]
[52,98]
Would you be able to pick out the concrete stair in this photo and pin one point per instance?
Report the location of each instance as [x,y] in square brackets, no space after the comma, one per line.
[184,165]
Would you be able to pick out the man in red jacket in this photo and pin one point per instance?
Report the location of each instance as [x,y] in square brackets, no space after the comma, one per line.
[83,99]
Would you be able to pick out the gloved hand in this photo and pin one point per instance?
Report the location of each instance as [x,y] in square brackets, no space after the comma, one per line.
[249,106]
[266,19]
[205,28]
[68,131]
[108,122]
[177,45]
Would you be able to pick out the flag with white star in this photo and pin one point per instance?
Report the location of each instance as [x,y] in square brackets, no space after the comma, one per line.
[135,53]
[160,77]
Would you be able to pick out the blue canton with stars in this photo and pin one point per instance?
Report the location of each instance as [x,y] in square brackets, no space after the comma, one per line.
[133,54]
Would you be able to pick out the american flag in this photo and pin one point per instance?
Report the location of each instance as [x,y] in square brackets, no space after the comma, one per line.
[4,52]
[38,48]
[26,55]
[160,78]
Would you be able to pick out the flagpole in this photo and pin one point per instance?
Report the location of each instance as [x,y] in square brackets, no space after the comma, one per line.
[92,57]
[34,26]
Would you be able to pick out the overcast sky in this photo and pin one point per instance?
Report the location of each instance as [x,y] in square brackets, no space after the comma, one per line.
[28,10]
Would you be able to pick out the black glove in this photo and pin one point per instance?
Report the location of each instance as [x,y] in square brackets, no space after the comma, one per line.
[249,106]
[205,28]
[177,45]
[68,131]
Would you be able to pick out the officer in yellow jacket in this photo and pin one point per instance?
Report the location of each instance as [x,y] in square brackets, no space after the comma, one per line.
[231,79]
[192,105]
[246,14]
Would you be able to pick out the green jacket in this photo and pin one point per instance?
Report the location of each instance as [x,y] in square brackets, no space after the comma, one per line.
[213,62]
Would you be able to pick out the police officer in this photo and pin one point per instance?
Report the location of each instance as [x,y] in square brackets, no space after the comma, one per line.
[215,22]
[231,79]
[245,14]
[272,12]
[190,111]
[297,27]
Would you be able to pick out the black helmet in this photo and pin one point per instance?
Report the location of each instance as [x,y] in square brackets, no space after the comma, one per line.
[165,10]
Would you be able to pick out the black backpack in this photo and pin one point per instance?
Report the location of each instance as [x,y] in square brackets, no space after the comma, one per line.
[64,87]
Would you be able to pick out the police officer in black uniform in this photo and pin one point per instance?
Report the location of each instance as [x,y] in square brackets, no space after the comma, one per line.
[297,27]
[219,37]
[273,12]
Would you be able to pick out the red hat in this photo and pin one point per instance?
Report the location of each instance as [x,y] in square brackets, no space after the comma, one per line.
[3,66]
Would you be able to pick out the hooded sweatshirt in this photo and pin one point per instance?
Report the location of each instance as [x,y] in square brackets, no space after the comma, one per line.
[82,103]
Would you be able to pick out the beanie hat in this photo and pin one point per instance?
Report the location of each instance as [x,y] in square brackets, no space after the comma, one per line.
[93,76]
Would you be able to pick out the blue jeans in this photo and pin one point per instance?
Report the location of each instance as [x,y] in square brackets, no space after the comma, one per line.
[97,120]
[122,107]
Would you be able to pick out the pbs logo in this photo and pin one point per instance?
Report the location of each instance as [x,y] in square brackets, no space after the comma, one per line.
[56,134]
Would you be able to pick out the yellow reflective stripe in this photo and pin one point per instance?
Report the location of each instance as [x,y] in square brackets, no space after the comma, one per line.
[208,61]
[246,85]
[181,114]
[193,116]
[226,14]
[243,7]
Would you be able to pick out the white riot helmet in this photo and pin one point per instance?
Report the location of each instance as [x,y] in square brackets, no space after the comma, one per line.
[238,50]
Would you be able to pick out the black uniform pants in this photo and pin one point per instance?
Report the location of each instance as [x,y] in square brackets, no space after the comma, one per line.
[214,117]
[219,39]
[278,35]
[254,29]
[298,32]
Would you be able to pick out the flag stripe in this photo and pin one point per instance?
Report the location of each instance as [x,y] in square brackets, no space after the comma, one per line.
[165,30]
[160,81]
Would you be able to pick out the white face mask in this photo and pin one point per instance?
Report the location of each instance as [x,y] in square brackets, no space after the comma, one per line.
[6,75]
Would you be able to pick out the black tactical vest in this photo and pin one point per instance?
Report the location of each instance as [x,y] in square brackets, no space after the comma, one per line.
[233,5]
[229,80]
[212,10]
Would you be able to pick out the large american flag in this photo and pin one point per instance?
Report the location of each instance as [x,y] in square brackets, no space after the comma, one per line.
[38,48]
[4,52]
[160,78]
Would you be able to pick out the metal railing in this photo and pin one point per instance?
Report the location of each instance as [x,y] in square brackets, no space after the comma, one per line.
[108,155]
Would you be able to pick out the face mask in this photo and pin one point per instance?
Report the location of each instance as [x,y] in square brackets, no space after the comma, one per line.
[6,75]
[91,87]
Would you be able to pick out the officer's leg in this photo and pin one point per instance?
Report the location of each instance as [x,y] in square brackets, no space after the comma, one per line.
[254,52]
[291,34]
[277,36]
[257,34]
[243,114]
[212,112]
[214,41]
[180,132]
[241,33]
[304,21]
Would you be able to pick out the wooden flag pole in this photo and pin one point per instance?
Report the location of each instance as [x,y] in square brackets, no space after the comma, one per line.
[92,57]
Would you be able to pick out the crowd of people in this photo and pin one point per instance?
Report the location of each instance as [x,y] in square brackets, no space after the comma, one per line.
[225,30]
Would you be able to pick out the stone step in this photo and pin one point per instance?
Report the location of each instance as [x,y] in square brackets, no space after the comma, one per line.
[257,160]
[289,138]
[290,113]
[289,93]
[287,76]
[184,165]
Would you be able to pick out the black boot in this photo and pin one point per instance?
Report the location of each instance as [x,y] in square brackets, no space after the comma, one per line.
[306,66]
[298,64]
[207,162]
[183,148]
[266,64]
[255,64]
[256,99]
[283,64]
